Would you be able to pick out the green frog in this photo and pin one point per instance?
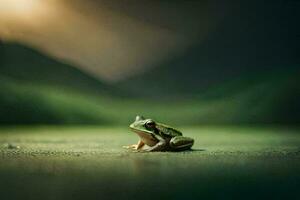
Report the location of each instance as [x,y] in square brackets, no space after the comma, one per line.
[158,137]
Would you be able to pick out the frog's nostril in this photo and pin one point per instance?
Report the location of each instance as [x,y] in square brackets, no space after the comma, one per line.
[138,118]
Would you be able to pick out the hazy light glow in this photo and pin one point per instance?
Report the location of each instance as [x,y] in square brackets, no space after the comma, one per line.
[19,7]
[103,39]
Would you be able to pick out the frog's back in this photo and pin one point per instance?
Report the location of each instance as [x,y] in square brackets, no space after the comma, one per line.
[167,130]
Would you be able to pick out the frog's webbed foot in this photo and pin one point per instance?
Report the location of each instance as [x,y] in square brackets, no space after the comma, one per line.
[133,146]
[137,146]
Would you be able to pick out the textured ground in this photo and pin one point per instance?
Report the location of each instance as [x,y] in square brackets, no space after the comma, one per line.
[89,162]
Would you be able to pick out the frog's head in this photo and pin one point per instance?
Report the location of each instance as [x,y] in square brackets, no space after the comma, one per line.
[143,126]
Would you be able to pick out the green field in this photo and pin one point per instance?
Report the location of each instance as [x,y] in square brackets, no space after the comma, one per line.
[36,89]
[236,102]
[89,162]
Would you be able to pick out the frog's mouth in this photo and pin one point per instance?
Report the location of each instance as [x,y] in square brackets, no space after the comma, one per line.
[140,131]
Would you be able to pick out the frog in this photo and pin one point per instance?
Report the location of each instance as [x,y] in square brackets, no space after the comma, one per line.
[156,136]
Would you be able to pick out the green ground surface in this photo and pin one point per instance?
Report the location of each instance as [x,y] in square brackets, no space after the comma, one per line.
[89,163]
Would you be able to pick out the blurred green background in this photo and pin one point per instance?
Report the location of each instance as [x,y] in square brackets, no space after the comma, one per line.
[244,70]
[38,90]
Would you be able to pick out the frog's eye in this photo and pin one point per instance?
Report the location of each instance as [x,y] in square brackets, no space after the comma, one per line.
[150,124]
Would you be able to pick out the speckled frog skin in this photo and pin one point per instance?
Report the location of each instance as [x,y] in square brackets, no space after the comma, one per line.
[158,137]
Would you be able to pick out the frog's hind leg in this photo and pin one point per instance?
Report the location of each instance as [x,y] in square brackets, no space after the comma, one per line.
[181,143]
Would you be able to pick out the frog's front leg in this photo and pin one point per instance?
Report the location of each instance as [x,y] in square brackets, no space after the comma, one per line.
[180,143]
[137,146]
